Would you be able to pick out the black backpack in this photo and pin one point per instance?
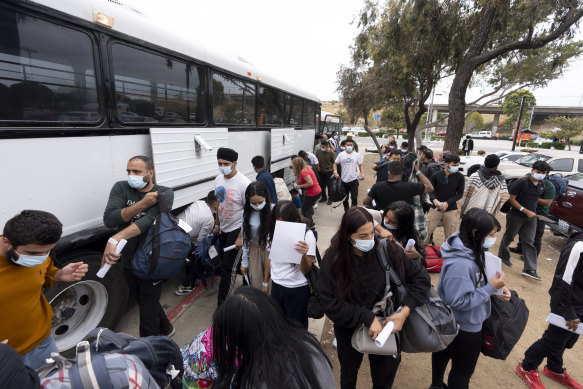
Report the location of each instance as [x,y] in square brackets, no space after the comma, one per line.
[502,330]
[336,190]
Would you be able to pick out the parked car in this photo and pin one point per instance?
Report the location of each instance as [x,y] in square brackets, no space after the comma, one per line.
[564,210]
[441,133]
[511,156]
[471,164]
[565,165]
[481,135]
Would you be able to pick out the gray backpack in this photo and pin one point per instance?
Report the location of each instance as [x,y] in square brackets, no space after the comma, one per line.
[99,371]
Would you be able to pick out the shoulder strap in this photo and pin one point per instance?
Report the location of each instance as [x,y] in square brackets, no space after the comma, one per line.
[163,201]
[390,273]
[88,377]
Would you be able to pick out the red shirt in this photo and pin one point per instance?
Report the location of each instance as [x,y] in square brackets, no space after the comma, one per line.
[315,188]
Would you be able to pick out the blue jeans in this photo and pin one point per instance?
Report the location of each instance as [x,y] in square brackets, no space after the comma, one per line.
[37,357]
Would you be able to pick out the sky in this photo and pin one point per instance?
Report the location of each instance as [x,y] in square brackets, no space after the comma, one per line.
[303,42]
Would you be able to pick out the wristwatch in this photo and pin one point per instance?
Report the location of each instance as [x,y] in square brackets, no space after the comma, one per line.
[521,209]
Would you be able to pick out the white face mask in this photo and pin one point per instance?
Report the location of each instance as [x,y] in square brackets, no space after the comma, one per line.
[454,169]
[364,245]
[342,148]
[258,207]
[137,182]
[488,242]
[225,170]
[539,176]
[29,260]
[348,149]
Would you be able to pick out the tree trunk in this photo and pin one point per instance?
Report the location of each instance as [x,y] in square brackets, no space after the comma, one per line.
[372,135]
[569,143]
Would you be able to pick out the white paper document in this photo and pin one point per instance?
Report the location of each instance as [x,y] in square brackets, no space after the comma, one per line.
[493,265]
[560,321]
[285,237]
[384,334]
[103,271]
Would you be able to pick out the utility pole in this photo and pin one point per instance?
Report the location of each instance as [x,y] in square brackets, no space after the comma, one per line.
[518,123]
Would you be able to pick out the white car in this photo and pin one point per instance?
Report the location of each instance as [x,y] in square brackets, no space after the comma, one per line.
[481,135]
[565,165]
[471,164]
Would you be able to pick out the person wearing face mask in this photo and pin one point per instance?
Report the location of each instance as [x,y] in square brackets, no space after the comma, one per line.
[26,267]
[327,157]
[448,188]
[309,184]
[382,166]
[132,209]
[255,230]
[352,280]
[398,219]
[468,145]
[265,177]
[463,285]
[350,162]
[200,217]
[230,187]
[521,218]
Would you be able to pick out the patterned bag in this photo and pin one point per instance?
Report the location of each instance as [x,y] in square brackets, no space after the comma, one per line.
[200,369]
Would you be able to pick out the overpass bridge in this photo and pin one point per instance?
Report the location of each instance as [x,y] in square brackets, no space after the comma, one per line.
[540,112]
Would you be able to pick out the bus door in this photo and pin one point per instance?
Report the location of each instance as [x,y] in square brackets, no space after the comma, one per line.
[283,146]
[185,159]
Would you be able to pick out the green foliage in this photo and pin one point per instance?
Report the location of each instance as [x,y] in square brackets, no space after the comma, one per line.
[474,122]
[344,117]
[528,150]
[437,137]
[511,108]
[481,152]
[531,144]
[567,128]
[362,133]
[393,117]
[405,136]
[559,146]
[576,142]
[546,145]
[460,152]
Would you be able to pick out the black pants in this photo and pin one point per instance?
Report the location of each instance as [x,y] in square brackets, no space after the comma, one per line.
[153,320]
[551,346]
[227,239]
[467,152]
[538,236]
[464,352]
[325,178]
[308,206]
[383,368]
[351,189]
[293,302]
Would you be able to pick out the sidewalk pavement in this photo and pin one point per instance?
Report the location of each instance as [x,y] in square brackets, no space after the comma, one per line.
[193,313]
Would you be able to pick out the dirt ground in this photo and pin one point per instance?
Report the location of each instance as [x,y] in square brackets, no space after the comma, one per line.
[415,369]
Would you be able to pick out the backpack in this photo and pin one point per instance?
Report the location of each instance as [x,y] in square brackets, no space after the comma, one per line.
[281,189]
[408,162]
[207,264]
[502,330]
[165,248]
[560,184]
[336,191]
[200,367]
[156,360]
[433,168]
[434,260]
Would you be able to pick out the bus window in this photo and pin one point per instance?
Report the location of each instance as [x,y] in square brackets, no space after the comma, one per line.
[293,111]
[270,107]
[47,72]
[233,100]
[309,113]
[152,88]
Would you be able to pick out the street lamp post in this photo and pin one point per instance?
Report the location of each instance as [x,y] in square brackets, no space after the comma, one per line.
[518,122]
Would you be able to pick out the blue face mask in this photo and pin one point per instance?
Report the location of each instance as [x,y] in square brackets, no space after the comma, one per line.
[364,245]
[539,176]
[454,169]
[488,242]
[342,148]
[258,207]
[225,170]
[137,182]
[297,202]
[389,226]
[29,260]
[349,149]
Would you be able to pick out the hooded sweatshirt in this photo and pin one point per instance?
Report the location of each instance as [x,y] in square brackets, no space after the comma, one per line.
[457,285]
[485,189]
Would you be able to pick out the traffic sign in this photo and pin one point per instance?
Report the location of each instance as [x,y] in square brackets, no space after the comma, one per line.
[377,116]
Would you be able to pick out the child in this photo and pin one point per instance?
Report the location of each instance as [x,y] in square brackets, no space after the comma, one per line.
[290,286]
[296,198]
[566,301]
[254,231]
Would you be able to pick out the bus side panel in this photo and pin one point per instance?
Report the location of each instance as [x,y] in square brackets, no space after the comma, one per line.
[69,177]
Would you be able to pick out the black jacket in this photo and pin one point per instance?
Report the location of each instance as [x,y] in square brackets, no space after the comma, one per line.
[567,288]
[349,315]
[470,146]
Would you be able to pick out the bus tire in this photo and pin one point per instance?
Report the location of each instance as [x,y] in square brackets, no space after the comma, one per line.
[84,305]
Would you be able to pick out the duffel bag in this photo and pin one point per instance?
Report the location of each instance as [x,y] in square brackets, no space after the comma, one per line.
[165,248]
[502,330]
[95,370]
[434,260]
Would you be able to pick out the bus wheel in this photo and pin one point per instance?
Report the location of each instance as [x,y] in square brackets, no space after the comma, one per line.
[87,304]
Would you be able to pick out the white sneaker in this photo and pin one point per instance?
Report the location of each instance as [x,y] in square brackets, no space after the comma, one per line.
[315,206]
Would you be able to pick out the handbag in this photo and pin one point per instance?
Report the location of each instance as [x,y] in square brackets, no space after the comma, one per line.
[429,327]
[361,340]
[502,330]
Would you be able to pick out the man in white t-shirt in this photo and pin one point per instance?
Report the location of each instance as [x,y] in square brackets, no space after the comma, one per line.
[230,188]
[199,216]
[350,162]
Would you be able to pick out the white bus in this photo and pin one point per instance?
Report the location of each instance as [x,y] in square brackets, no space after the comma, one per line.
[87,84]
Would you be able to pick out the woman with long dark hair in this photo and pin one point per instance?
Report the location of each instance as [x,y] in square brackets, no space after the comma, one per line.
[352,280]
[308,182]
[399,219]
[256,346]
[464,286]
[289,285]
[254,231]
